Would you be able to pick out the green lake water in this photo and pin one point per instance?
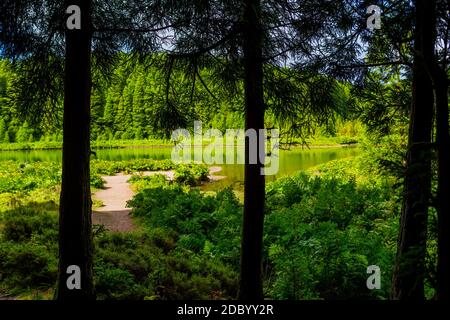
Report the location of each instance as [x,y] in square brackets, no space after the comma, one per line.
[289,162]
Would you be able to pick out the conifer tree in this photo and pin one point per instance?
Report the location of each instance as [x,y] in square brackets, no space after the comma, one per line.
[138,107]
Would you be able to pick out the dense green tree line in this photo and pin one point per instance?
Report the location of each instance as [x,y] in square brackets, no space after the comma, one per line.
[130,104]
[126,107]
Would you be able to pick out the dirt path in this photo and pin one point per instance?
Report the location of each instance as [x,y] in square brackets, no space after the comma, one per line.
[114,215]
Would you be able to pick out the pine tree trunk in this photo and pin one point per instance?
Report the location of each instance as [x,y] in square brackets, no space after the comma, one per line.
[253,222]
[408,277]
[75,234]
[443,193]
[439,78]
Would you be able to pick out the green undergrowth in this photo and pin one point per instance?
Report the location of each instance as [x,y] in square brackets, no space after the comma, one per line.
[323,228]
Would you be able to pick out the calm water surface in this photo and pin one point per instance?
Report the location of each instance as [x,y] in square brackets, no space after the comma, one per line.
[290,161]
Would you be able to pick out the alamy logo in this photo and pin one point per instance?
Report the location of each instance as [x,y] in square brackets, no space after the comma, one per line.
[228,148]
[74,280]
[74,20]
[374,280]
[374,20]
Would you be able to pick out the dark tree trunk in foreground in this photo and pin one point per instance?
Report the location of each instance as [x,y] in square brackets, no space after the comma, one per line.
[443,197]
[252,234]
[75,234]
[408,278]
[443,194]
[440,82]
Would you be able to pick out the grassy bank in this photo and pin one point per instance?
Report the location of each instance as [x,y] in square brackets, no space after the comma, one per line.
[57,145]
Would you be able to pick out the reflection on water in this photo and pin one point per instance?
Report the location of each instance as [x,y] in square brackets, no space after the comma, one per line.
[290,161]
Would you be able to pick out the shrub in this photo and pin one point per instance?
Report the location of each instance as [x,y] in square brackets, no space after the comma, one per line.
[22,223]
[320,239]
[25,265]
[116,284]
[97,181]
[110,168]
[191,175]
[140,182]
[149,265]
[194,216]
